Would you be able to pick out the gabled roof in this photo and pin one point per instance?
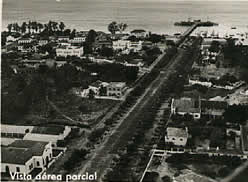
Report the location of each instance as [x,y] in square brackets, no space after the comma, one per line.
[20,151]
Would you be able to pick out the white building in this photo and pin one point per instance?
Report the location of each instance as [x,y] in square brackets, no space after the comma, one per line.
[135,46]
[121,44]
[177,136]
[63,38]
[43,42]
[70,51]
[116,89]
[24,156]
[186,106]
[11,38]
[78,40]
[25,41]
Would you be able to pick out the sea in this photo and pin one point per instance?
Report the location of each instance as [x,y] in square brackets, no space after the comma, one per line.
[156,16]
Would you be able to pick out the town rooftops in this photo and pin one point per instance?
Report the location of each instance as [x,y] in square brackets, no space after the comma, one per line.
[48,130]
[138,31]
[187,105]
[176,132]
[20,151]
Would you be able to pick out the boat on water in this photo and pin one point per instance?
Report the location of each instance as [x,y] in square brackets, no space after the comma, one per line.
[199,22]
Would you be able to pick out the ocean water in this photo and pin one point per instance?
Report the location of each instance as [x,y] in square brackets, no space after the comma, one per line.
[153,15]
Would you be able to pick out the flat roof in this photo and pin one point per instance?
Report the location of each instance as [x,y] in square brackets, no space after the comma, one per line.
[176,132]
[48,130]
[187,105]
[117,84]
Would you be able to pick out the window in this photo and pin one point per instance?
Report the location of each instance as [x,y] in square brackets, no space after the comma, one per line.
[38,163]
[18,169]
[31,166]
[173,139]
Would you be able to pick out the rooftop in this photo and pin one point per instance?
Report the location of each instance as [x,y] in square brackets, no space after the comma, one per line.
[187,105]
[117,84]
[219,105]
[15,128]
[176,132]
[49,130]
[20,151]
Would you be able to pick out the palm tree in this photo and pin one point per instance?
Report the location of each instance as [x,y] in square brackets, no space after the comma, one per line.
[122,27]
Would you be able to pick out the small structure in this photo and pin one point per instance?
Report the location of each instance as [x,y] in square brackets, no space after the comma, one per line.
[177,136]
[23,156]
[186,106]
[116,89]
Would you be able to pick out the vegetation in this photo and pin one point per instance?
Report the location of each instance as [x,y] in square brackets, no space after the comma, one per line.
[237,114]
[114,27]
[76,157]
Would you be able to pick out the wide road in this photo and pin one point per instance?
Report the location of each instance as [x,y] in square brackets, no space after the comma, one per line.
[103,155]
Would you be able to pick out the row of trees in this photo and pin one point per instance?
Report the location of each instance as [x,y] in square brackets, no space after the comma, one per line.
[34,26]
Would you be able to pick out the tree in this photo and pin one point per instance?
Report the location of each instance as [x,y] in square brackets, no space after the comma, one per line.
[122,27]
[61,26]
[106,51]
[91,94]
[24,27]
[10,26]
[113,27]
[73,34]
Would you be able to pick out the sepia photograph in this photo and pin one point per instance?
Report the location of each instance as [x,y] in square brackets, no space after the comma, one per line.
[124,91]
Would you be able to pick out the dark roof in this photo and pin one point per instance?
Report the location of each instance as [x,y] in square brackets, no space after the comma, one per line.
[49,130]
[214,104]
[138,31]
[20,151]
